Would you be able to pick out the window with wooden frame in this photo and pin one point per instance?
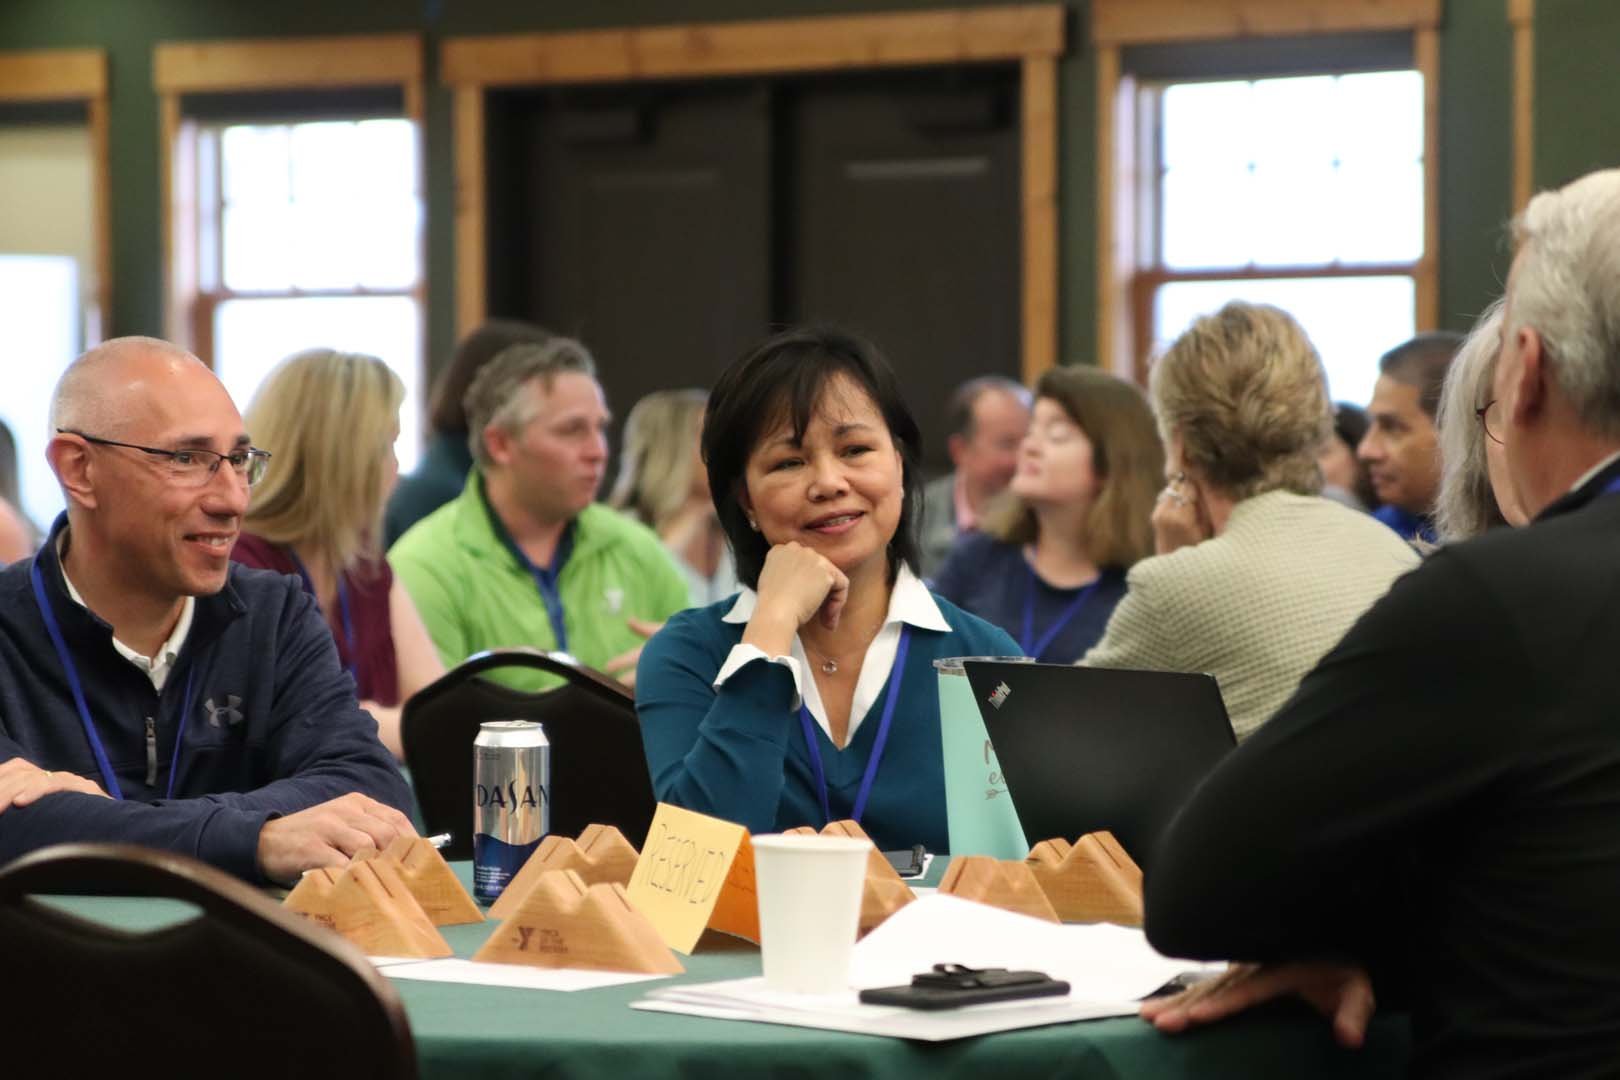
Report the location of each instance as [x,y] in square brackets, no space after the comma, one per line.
[297,215]
[1244,160]
[55,248]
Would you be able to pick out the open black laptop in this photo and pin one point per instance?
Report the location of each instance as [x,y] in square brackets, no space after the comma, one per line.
[1084,749]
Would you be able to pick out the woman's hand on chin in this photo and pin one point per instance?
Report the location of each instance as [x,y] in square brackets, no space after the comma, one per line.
[1179,518]
[796,585]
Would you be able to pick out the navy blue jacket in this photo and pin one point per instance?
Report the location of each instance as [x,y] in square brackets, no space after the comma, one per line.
[272,726]
[991,578]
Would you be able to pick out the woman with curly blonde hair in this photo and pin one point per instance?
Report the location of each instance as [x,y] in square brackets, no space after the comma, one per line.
[1257,575]
[331,418]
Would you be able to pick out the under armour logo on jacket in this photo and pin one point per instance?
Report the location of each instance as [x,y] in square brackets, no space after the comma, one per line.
[226,714]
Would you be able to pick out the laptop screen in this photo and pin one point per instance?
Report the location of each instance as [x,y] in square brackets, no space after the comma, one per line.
[1083,749]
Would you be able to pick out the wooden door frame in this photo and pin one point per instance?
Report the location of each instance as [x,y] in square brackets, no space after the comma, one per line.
[1032,35]
[1522,17]
[73,76]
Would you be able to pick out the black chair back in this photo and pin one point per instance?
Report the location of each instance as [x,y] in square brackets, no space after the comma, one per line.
[244,988]
[598,767]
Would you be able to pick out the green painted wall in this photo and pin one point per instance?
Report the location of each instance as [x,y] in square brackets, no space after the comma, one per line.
[1475,87]
[1577,80]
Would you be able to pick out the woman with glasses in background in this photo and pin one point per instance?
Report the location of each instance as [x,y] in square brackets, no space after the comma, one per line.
[331,418]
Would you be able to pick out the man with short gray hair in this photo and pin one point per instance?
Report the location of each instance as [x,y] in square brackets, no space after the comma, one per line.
[1437,809]
[986,419]
[525,556]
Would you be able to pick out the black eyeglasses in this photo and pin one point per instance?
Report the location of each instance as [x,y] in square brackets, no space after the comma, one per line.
[194,466]
[1490,418]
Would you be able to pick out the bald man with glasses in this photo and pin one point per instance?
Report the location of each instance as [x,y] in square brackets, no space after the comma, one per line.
[150,691]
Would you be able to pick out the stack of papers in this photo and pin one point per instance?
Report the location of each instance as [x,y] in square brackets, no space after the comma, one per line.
[1109,970]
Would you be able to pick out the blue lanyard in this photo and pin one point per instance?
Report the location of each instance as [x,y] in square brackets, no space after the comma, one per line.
[808,722]
[545,578]
[343,610]
[1026,640]
[1614,486]
[107,777]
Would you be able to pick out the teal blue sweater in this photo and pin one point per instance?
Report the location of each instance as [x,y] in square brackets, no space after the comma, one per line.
[739,753]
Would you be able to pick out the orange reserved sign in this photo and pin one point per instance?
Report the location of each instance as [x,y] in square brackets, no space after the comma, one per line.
[694,872]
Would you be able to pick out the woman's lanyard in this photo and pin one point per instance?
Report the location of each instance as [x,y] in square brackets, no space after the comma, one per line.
[108,779]
[808,722]
[1026,640]
[343,611]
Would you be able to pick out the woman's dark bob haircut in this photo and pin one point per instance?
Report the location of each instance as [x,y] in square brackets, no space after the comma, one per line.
[783,380]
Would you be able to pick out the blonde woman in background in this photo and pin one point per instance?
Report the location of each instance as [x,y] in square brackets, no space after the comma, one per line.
[331,418]
[664,485]
[1257,576]
[1474,492]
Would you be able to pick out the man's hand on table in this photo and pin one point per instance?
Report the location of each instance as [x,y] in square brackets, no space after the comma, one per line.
[22,782]
[327,835]
[1340,992]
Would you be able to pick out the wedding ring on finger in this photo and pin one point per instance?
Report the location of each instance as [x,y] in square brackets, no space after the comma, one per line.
[1173,497]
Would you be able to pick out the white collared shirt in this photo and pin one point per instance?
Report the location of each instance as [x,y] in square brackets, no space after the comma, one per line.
[1593,471]
[909,602]
[156,668]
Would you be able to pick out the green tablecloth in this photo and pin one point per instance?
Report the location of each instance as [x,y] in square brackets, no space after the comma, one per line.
[489,1033]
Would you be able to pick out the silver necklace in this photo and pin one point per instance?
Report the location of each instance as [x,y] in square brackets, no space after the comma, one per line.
[829,666]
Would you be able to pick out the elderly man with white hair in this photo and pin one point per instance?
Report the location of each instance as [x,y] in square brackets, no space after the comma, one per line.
[1433,820]
[152,694]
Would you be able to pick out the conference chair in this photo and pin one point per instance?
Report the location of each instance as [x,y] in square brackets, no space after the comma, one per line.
[236,987]
[598,767]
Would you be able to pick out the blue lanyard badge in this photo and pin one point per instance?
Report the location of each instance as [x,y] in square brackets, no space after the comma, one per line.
[108,779]
[808,722]
[344,613]
[1026,640]
[545,577]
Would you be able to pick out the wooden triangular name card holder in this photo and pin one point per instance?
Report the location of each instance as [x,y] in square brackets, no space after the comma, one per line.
[370,905]
[1007,885]
[563,923]
[1091,880]
[430,879]
[884,891]
[602,856]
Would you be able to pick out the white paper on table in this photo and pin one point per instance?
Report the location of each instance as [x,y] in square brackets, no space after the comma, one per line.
[516,976]
[1109,968]
[390,961]
[751,999]
[1099,961]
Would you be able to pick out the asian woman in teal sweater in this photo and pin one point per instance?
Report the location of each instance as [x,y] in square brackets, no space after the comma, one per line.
[810,696]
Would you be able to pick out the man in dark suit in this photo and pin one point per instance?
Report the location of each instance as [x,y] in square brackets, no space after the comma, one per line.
[1433,820]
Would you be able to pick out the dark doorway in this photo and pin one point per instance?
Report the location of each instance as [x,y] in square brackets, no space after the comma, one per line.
[671,226]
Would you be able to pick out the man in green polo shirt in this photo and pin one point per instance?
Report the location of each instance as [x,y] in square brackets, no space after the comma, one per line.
[525,556]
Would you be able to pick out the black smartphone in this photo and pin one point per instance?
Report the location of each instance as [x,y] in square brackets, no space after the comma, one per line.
[929,991]
[908,863]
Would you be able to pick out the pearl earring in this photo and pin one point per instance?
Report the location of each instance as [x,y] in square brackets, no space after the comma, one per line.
[752,524]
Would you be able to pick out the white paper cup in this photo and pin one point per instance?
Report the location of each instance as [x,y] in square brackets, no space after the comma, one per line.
[809,909]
